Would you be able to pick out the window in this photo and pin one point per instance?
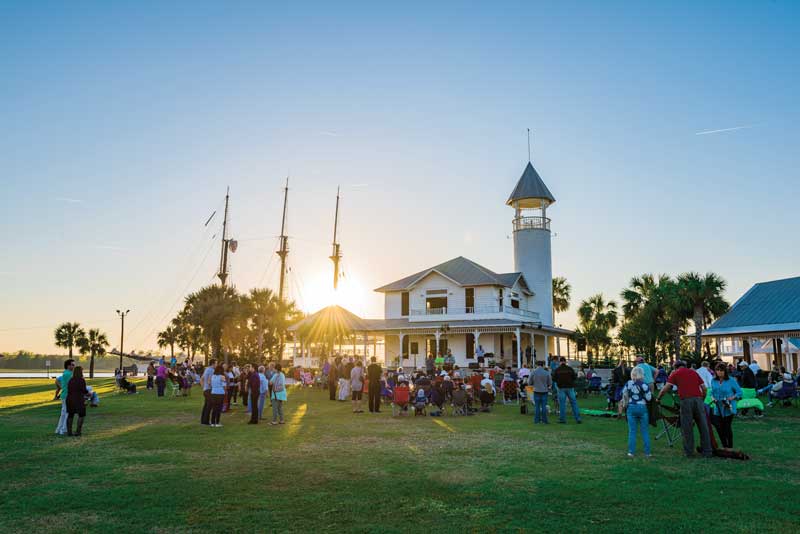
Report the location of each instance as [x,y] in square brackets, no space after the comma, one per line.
[470,341]
[436,305]
[514,299]
[404,304]
[469,298]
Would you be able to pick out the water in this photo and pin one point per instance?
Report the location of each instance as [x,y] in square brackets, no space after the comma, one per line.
[53,374]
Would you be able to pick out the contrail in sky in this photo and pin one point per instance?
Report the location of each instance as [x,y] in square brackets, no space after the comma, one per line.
[71,200]
[706,132]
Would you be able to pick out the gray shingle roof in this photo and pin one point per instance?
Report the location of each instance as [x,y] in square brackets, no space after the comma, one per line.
[530,185]
[767,306]
[462,271]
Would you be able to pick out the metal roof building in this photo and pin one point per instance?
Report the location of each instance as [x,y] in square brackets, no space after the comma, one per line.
[768,311]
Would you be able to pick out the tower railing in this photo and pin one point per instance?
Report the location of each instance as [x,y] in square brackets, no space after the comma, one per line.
[531,222]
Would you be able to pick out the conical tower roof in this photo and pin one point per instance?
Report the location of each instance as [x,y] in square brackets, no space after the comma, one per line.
[530,190]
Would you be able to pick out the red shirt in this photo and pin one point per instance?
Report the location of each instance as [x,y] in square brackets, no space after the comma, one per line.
[688,381]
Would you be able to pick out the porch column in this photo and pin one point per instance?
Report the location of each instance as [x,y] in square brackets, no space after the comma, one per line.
[746,350]
[789,366]
[400,350]
[519,348]
[477,343]
[558,346]
[436,353]
[366,338]
[546,355]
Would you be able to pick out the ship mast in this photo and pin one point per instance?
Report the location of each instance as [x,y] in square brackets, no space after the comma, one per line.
[223,255]
[284,244]
[336,255]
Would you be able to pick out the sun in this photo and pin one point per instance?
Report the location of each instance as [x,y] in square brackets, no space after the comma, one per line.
[318,293]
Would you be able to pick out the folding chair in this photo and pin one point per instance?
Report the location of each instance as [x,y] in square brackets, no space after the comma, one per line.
[400,400]
[670,415]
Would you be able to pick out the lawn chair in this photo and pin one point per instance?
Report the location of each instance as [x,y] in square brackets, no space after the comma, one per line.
[174,389]
[581,387]
[786,396]
[750,401]
[595,384]
[460,402]
[400,400]
[510,391]
[669,412]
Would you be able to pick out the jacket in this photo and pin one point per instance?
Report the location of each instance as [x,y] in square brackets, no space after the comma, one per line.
[564,376]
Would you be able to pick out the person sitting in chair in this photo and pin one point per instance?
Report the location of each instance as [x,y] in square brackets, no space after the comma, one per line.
[780,388]
[125,384]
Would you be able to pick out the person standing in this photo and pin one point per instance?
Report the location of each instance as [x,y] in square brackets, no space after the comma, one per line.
[69,365]
[205,382]
[263,387]
[430,365]
[151,375]
[76,400]
[542,382]
[691,391]
[374,373]
[219,383]
[357,386]
[333,379]
[161,378]
[705,374]
[725,391]
[278,395]
[254,389]
[638,394]
[564,377]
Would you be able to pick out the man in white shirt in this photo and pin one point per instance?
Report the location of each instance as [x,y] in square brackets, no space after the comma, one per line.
[705,374]
[205,382]
[524,373]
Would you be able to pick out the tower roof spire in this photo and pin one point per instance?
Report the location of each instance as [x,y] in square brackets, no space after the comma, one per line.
[530,191]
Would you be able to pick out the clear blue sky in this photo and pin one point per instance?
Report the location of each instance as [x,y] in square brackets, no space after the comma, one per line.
[122,124]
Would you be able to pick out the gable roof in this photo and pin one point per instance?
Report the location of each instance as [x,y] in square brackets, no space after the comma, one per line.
[463,272]
[767,307]
[530,186]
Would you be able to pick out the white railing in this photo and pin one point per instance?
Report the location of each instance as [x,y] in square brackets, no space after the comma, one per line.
[485,309]
[528,223]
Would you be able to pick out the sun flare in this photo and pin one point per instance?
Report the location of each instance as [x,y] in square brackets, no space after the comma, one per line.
[319,293]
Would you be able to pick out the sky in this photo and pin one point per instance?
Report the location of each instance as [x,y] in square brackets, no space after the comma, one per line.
[666,131]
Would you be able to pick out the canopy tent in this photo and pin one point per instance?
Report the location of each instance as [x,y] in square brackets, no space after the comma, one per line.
[329,325]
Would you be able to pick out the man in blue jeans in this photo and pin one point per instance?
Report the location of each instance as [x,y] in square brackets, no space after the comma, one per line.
[541,381]
[564,377]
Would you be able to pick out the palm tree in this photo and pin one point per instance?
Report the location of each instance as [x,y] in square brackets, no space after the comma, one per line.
[67,335]
[212,308]
[562,292]
[93,343]
[597,318]
[704,295]
[168,337]
[648,320]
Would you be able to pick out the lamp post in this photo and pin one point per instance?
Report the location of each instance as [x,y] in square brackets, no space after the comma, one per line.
[122,336]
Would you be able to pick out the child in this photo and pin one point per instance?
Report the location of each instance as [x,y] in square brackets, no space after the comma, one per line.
[420,402]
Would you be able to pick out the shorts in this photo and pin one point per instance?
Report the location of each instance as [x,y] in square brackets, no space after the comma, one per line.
[356,395]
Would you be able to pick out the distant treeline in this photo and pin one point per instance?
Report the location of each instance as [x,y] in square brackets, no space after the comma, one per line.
[27,360]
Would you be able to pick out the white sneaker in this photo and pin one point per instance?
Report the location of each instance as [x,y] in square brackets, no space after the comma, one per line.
[630,455]
[219,426]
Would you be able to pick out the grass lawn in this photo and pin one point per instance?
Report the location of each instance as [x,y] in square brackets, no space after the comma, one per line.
[146,465]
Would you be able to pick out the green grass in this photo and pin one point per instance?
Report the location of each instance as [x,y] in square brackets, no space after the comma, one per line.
[145,465]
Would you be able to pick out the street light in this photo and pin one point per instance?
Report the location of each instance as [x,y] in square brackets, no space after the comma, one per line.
[122,337]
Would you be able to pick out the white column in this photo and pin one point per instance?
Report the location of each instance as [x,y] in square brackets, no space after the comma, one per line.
[519,349]
[400,350]
[789,366]
[366,355]
[436,352]
[558,346]
[546,355]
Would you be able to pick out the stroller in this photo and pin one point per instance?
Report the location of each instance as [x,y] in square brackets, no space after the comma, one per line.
[669,412]
[420,402]
[401,397]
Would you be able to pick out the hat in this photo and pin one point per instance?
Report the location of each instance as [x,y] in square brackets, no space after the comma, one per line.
[787,376]
[742,363]
[485,375]
[639,359]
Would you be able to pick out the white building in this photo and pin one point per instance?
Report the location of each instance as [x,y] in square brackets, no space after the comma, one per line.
[461,306]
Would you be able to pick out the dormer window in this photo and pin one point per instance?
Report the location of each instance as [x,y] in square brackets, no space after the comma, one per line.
[436,301]
[514,299]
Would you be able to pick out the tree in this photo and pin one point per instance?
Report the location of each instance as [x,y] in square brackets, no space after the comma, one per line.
[562,292]
[67,335]
[93,343]
[168,337]
[212,308]
[703,294]
[597,317]
[648,320]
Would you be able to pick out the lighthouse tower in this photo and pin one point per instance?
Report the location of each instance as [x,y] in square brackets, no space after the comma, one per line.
[530,200]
